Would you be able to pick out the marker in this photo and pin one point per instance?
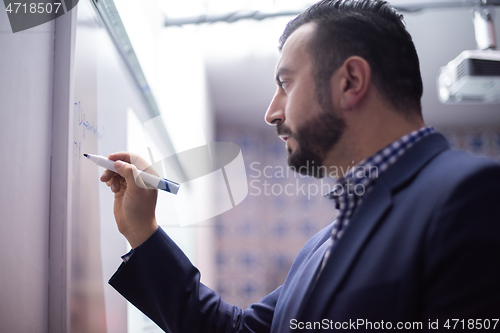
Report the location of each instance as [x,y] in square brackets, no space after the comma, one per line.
[149,179]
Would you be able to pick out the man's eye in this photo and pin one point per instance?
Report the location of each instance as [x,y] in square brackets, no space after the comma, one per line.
[283,85]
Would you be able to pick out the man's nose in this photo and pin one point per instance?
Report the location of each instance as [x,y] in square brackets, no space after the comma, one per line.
[276,110]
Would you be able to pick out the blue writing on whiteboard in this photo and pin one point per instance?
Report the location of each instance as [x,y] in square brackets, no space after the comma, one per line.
[78,145]
[87,126]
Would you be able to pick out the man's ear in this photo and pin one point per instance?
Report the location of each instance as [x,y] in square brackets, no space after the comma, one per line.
[354,79]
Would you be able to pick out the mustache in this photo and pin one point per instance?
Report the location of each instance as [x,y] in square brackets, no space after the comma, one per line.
[281,129]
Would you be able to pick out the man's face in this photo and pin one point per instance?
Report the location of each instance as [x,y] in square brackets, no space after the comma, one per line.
[309,130]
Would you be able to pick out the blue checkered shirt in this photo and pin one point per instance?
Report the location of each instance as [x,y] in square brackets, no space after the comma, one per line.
[348,191]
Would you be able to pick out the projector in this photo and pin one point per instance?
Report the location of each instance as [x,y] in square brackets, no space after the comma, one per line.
[473,77]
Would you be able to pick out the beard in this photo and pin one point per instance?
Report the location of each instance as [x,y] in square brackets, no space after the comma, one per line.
[314,140]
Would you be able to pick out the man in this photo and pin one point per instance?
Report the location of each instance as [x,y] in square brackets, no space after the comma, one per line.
[418,248]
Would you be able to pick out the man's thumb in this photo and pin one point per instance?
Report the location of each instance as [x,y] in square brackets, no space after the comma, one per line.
[124,170]
[118,165]
[129,172]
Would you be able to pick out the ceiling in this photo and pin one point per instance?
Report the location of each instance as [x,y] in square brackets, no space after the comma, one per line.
[241,56]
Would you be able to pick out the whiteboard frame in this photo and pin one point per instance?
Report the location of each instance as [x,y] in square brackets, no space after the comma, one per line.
[60,182]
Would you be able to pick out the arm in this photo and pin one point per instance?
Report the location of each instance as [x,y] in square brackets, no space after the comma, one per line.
[158,278]
[160,281]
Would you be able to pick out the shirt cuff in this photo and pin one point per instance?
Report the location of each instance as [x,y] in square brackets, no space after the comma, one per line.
[126,257]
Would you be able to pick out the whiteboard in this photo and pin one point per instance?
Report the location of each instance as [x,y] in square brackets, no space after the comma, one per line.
[85,246]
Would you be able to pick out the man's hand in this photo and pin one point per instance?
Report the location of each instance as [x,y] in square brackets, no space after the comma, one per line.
[135,204]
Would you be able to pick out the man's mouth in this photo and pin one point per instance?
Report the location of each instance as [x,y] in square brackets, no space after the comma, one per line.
[284,137]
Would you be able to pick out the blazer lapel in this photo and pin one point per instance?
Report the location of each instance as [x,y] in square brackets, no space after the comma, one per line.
[296,289]
[363,222]
[344,253]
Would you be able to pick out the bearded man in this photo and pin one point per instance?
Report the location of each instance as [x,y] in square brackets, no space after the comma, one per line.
[418,248]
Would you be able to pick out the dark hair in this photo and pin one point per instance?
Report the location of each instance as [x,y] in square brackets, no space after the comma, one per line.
[372,30]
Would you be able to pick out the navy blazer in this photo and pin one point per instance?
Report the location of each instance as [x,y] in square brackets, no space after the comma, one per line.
[424,247]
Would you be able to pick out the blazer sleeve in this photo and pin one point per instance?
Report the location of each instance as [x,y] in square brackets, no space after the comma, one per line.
[161,282]
[462,277]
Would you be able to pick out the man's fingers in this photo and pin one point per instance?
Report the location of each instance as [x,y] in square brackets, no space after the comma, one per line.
[132,158]
[130,173]
[127,166]
[113,180]
[115,183]
[120,156]
[107,175]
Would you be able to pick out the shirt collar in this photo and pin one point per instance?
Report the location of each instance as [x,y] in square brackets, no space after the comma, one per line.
[368,170]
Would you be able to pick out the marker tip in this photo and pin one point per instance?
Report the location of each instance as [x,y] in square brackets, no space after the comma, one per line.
[86,155]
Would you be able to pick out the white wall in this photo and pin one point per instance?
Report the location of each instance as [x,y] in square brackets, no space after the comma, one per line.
[26,89]
[173,63]
[185,106]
